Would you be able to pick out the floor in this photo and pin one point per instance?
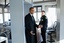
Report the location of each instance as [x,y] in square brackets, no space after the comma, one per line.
[39,38]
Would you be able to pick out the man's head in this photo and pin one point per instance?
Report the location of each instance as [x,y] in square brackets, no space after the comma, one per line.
[43,12]
[31,10]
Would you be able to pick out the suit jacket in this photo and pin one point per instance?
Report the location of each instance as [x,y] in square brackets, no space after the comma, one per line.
[30,25]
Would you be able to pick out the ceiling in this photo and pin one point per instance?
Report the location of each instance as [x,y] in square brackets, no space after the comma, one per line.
[46,3]
[35,1]
[42,0]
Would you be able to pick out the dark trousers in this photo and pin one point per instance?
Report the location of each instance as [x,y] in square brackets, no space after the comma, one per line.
[43,33]
[30,38]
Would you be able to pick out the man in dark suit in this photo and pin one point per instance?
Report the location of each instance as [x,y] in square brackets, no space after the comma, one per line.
[30,27]
[43,23]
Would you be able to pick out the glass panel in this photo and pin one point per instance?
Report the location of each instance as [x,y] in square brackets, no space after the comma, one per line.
[35,9]
[5,10]
[52,17]
[6,17]
[39,8]
[39,16]
[35,16]
[1,18]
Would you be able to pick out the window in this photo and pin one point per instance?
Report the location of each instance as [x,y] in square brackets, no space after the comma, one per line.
[1,18]
[6,17]
[39,9]
[1,15]
[5,10]
[37,14]
[52,17]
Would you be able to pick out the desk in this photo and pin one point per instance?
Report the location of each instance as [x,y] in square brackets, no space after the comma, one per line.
[3,39]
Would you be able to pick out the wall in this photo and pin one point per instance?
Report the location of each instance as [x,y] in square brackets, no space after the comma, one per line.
[17,21]
[60,13]
[61,21]
[30,1]
[18,10]
[58,21]
[26,8]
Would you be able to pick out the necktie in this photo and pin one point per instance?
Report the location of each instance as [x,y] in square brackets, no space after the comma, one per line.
[32,18]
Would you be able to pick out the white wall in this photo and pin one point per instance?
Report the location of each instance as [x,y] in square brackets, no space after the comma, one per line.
[17,20]
[61,21]
[29,1]
[18,10]
[60,13]
[26,8]
[58,21]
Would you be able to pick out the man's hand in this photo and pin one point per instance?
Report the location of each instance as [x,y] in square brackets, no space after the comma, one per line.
[31,32]
[40,26]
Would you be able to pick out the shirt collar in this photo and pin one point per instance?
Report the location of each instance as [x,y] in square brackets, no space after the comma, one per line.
[31,14]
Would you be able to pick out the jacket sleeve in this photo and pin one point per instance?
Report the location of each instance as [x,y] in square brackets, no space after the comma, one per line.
[40,23]
[46,22]
[27,24]
[36,25]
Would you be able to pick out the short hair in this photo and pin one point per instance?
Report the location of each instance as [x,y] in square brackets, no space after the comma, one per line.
[31,8]
[43,11]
